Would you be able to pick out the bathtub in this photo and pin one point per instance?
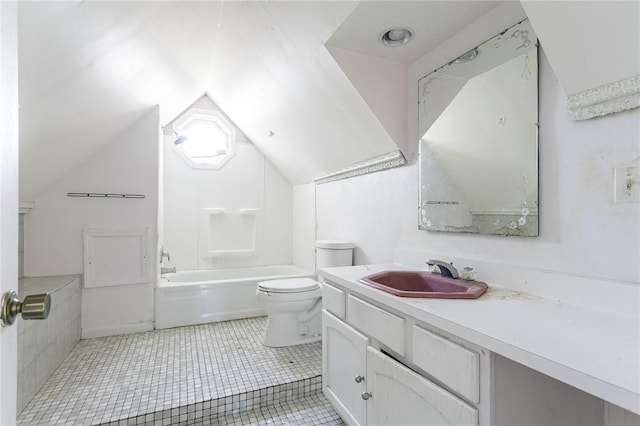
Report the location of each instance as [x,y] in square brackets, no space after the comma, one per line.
[197,297]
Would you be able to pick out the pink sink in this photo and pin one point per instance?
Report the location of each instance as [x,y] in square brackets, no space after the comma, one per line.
[424,284]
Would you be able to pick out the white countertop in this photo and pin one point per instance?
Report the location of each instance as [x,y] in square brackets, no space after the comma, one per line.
[593,350]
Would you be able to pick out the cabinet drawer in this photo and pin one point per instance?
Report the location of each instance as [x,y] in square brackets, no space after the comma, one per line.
[455,366]
[333,300]
[383,326]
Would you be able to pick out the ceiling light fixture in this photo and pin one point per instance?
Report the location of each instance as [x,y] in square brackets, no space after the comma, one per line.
[396,36]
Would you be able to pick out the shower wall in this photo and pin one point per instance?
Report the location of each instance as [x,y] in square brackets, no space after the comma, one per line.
[240,215]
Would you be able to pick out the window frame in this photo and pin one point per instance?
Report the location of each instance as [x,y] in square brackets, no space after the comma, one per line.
[207,116]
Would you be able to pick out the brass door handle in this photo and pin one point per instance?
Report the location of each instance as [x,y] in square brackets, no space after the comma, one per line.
[35,306]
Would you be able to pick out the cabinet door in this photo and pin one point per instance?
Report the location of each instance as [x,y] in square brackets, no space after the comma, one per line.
[344,355]
[400,396]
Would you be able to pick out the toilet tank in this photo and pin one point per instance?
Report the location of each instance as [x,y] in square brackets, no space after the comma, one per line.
[334,253]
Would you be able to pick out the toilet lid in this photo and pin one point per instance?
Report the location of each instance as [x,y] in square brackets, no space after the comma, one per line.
[289,285]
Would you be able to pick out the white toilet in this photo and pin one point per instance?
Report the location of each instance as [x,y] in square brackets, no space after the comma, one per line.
[294,305]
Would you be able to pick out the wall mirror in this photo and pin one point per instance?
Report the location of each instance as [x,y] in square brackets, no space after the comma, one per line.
[478,129]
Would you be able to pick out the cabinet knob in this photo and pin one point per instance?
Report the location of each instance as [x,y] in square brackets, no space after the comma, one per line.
[35,306]
[366,395]
[359,379]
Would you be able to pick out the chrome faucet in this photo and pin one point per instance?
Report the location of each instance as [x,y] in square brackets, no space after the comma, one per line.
[167,270]
[446,269]
[164,253]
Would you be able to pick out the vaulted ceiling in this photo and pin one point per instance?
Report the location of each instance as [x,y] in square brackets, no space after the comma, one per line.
[88,70]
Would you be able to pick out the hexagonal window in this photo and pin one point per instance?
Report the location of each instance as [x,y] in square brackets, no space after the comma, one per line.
[206,139]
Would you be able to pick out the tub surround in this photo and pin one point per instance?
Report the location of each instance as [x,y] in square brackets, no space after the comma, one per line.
[591,344]
[42,345]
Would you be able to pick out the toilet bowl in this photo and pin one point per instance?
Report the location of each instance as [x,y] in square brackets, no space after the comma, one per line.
[294,305]
[293,311]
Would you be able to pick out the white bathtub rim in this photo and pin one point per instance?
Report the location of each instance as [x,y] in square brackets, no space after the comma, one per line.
[165,282]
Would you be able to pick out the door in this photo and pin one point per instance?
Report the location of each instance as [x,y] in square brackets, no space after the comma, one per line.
[8,202]
[399,396]
[344,352]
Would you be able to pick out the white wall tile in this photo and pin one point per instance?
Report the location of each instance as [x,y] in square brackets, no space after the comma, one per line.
[44,344]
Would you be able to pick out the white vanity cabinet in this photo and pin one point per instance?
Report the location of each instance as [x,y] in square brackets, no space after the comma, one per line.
[383,368]
[504,359]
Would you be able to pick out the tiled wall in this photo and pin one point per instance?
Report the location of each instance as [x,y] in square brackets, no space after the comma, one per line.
[42,345]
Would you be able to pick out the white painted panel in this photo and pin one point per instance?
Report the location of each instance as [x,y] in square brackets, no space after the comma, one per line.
[116,310]
[402,397]
[8,202]
[115,257]
[333,300]
[455,366]
[383,326]
[344,353]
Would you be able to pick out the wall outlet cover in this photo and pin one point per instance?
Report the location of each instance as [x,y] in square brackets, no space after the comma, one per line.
[626,182]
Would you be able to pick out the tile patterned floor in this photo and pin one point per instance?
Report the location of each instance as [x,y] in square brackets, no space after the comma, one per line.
[108,379]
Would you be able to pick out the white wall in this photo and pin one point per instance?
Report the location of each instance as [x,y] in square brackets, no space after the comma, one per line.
[246,181]
[589,43]
[581,231]
[381,83]
[54,228]
[304,226]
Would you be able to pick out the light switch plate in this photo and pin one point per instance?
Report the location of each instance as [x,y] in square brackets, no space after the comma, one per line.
[626,182]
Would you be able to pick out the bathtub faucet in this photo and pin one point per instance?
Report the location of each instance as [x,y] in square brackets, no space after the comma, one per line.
[167,270]
[164,253]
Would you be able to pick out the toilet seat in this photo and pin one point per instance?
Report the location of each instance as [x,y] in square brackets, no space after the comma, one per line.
[289,285]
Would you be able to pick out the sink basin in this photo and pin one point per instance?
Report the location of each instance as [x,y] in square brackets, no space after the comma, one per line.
[424,284]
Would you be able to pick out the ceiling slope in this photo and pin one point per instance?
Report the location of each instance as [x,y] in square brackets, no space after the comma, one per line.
[273,76]
[88,70]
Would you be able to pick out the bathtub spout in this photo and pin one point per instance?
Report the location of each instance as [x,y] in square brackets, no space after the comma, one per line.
[166,270]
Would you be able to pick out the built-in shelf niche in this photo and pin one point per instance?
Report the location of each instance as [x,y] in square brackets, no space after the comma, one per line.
[229,232]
